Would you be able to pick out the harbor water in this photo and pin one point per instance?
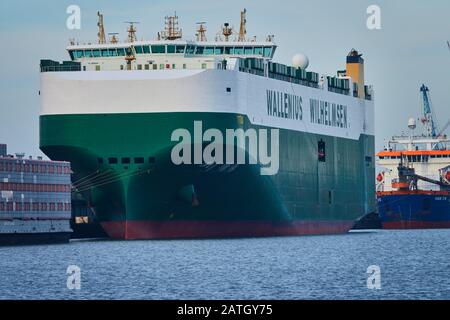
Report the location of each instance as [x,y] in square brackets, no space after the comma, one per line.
[413,264]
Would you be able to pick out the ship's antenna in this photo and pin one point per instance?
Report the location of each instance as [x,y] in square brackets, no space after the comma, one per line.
[242,28]
[270,38]
[112,37]
[227,31]
[171,31]
[101,29]
[131,31]
[201,31]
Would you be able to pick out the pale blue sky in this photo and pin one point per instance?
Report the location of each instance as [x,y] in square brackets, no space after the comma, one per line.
[410,49]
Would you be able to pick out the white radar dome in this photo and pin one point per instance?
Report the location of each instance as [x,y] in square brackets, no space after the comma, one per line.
[300,61]
[412,123]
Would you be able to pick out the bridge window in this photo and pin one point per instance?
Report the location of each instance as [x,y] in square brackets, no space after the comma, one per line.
[218,50]
[105,53]
[209,50]
[267,52]
[158,49]
[248,50]
[78,54]
[179,49]
[96,53]
[199,50]
[258,50]
[121,51]
[138,49]
[125,160]
[113,52]
[238,50]
[190,49]
[88,53]
[146,49]
[170,49]
[138,160]
[227,50]
[112,160]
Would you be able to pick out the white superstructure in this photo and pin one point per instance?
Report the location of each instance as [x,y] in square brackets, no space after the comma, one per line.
[174,75]
[428,153]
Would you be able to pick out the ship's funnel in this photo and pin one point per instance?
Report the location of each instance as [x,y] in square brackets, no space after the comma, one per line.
[355,70]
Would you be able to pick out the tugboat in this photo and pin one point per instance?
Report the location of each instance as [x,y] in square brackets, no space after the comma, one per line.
[413,191]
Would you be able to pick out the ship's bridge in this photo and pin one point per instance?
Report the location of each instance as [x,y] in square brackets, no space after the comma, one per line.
[174,48]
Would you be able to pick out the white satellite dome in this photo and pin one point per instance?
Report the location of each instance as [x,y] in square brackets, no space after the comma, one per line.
[412,123]
[300,61]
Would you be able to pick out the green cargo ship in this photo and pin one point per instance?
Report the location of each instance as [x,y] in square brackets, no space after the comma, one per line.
[144,124]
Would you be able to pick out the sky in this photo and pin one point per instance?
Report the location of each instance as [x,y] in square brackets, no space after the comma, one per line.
[408,50]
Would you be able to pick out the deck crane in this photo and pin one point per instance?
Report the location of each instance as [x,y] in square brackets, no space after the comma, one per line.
[441,133]
[428,119]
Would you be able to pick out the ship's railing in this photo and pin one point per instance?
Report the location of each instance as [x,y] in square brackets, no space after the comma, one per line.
[339,90]
[278,71]
[55,66]
[60,68]
[342,86]
[286,73]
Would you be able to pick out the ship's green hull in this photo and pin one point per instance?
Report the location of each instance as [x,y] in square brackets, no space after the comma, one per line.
[157,199]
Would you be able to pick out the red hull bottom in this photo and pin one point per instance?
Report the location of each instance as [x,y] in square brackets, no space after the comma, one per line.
[146,230]
[405,224]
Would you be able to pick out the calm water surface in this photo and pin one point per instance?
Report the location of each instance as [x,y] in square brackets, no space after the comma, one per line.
[414,265]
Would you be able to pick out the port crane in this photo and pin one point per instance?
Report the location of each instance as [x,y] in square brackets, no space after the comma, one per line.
[428,118]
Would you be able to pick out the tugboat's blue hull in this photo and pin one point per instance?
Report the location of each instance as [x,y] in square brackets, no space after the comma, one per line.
[414,210]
